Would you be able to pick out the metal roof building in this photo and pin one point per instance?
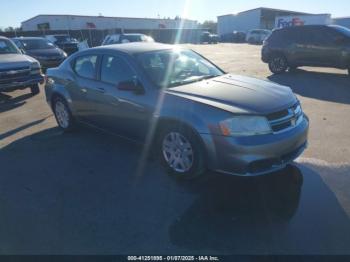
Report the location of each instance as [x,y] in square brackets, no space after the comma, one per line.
[258,18]
[78,22]
[343,21]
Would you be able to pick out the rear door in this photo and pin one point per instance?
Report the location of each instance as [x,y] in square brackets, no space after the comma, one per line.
[84,88]
[319,47]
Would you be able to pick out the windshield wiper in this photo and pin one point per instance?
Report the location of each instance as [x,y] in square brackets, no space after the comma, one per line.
[198,79]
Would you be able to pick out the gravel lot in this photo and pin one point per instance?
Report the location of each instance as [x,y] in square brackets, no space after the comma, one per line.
[79,193]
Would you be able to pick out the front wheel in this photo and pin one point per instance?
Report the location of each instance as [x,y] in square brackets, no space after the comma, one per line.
[62,114]
[181,152]
[35,89]
[278,64]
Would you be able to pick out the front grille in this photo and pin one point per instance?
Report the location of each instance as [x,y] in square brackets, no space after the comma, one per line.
[16,74]
[285,119]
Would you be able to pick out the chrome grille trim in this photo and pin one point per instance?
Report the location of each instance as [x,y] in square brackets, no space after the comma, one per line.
[293,117]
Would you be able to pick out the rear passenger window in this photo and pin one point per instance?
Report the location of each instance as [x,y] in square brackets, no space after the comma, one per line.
[115,70]
[85,66]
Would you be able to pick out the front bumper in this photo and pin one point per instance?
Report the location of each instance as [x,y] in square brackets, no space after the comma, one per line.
[22,83]
[256,155]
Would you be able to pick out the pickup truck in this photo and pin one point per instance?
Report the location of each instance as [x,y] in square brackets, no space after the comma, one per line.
[18,71]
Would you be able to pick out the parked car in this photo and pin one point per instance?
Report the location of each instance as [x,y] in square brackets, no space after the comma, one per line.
[257,36]
[126,38]
[234,37]
[65,42]
[195,116]
[18,71]
[209,38]
[41,49]
[309,45]
[239,37]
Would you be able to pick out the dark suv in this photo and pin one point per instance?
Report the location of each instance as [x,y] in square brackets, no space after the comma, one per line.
[311,45]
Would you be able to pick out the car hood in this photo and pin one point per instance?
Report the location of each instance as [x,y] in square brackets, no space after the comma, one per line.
[44,52]
[10,61]
[238,94]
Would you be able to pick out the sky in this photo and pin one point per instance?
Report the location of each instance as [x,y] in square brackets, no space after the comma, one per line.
[13,12]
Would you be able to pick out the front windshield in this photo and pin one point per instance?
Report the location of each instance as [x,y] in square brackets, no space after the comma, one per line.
[64,38]
[342,30]
[6,47]
[133,38]
[32,44]
[169,68]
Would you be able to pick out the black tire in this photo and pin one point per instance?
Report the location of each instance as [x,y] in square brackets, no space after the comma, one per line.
[198,163]
[61,102]
[34,89]
[278,64]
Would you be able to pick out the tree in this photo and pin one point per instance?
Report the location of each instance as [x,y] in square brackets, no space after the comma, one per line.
[9,29]
[210,25]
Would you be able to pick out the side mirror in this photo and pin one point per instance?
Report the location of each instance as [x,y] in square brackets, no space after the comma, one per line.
[132,86]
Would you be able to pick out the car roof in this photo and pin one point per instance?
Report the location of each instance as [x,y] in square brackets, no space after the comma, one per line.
[136,47]
[28,38]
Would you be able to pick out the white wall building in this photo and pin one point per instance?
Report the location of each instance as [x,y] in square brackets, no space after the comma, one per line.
[259,18]
[77,22]
[343,21]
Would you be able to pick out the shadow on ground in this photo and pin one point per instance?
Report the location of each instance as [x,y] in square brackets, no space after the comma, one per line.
[318,85]
[8,102]
[78,194]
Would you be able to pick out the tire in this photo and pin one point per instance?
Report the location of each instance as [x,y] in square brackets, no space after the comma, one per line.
[278,64]
[349,71]
[63,115]
[35,89]
[175,141]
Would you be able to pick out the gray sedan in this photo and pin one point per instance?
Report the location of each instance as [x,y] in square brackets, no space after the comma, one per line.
[185,109]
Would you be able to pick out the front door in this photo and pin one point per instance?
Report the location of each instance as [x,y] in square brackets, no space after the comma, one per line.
[125,112]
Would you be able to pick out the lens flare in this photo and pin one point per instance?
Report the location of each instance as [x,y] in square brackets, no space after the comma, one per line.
[150,138]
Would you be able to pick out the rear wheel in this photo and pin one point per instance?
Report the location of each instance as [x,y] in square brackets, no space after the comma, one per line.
[278,64]
[34,89]
[62,114]
[181,152]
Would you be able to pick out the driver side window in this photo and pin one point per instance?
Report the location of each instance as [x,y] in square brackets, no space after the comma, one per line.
[115,70]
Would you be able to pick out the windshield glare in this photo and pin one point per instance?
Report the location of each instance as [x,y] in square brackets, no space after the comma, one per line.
[171,68]
[6,47]
[31,44]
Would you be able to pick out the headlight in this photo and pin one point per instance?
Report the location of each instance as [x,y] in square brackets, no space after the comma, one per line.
[35,69]
[245,126]
[64,54]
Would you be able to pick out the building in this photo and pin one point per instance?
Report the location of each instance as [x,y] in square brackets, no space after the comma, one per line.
[266,18]
[343,21]
[77,22]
